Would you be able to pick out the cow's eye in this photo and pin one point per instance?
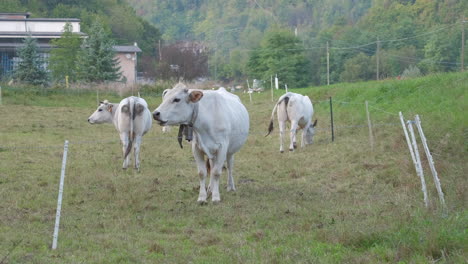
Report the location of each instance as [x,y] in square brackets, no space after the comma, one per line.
[176,100]
[100,110]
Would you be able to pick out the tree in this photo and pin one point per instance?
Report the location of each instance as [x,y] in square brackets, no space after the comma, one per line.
[188,60]
[64,55]
[30,68]
[96,60]
[358,68]
[280,53]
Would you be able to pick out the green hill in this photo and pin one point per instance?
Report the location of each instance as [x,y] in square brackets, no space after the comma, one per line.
[411,32]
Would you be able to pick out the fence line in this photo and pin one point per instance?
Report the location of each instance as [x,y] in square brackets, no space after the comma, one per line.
[161,137]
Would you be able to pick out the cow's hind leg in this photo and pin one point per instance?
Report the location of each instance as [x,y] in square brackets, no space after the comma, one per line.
[136,150]
[125,141]
[202,170]
[282,129]
[230,180]
[293,144]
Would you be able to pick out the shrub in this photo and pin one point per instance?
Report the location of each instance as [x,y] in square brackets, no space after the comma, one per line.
[411,72]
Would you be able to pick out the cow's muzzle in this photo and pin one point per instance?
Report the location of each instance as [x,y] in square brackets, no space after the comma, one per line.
[157,115]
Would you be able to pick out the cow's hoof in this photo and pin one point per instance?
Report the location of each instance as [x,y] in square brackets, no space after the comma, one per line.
[281,151]
[201,201]
[231,189]
[295,145]
[216,201]
[291,149]
[123,168]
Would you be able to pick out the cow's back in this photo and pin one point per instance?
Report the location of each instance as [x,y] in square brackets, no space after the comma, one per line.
[222,119]
[299,108]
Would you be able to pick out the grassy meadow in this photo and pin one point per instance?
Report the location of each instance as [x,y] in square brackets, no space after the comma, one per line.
[331,202]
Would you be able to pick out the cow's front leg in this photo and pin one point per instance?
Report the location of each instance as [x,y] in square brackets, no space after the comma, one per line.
[293,144]
[136,151]
[202,170]
[216,170]
[282,128]
[125,141]
[305,130]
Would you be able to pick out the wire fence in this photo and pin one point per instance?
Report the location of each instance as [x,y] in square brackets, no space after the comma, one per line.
[81,147]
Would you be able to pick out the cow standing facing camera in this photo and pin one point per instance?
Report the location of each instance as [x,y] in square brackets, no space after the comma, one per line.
[132,119]
[216,122]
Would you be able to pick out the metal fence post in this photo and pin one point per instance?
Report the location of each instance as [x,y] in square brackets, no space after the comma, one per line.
[418,165]
[59,200]
[431,163]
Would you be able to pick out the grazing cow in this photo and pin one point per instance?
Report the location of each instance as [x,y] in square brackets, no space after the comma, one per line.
[131,118]
[298,110]
[220,125]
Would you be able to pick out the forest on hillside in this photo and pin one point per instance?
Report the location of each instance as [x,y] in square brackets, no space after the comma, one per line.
[419,36]
[233,40]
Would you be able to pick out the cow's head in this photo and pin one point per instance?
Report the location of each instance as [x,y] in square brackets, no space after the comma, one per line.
[177,106]
[310,133]
[103,113]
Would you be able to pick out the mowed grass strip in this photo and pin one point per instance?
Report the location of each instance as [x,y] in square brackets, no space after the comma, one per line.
[334,202]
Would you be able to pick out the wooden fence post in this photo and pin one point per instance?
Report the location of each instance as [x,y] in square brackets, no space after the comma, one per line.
[271,84]
[249,91]
[331,120]
[371,135]
[431,163]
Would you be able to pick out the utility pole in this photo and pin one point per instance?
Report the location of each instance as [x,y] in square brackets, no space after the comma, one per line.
[160,55]
[377,54]
[328,66]
[216,50]
[463,46]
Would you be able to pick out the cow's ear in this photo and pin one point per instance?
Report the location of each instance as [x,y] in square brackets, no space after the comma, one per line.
[195,96]
[165,92]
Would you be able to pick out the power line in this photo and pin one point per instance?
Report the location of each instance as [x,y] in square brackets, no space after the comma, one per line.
[354,47]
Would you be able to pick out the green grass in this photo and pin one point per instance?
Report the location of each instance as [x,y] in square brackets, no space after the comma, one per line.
[328,203]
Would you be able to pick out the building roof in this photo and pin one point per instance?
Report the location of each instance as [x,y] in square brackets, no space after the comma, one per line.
[25,15]
[131,48]
[22,34]
[41,19]
[121,49]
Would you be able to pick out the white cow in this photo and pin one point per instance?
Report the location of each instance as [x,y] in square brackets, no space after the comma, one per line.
[298,110]
[131,118]
[220,125]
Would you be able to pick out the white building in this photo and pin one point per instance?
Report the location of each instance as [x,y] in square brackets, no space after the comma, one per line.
[15,27]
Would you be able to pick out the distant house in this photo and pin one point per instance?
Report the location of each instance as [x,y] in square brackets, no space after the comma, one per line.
[127,56]
[15,27]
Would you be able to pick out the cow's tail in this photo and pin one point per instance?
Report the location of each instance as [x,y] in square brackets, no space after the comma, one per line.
[131,136]
[286,100]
